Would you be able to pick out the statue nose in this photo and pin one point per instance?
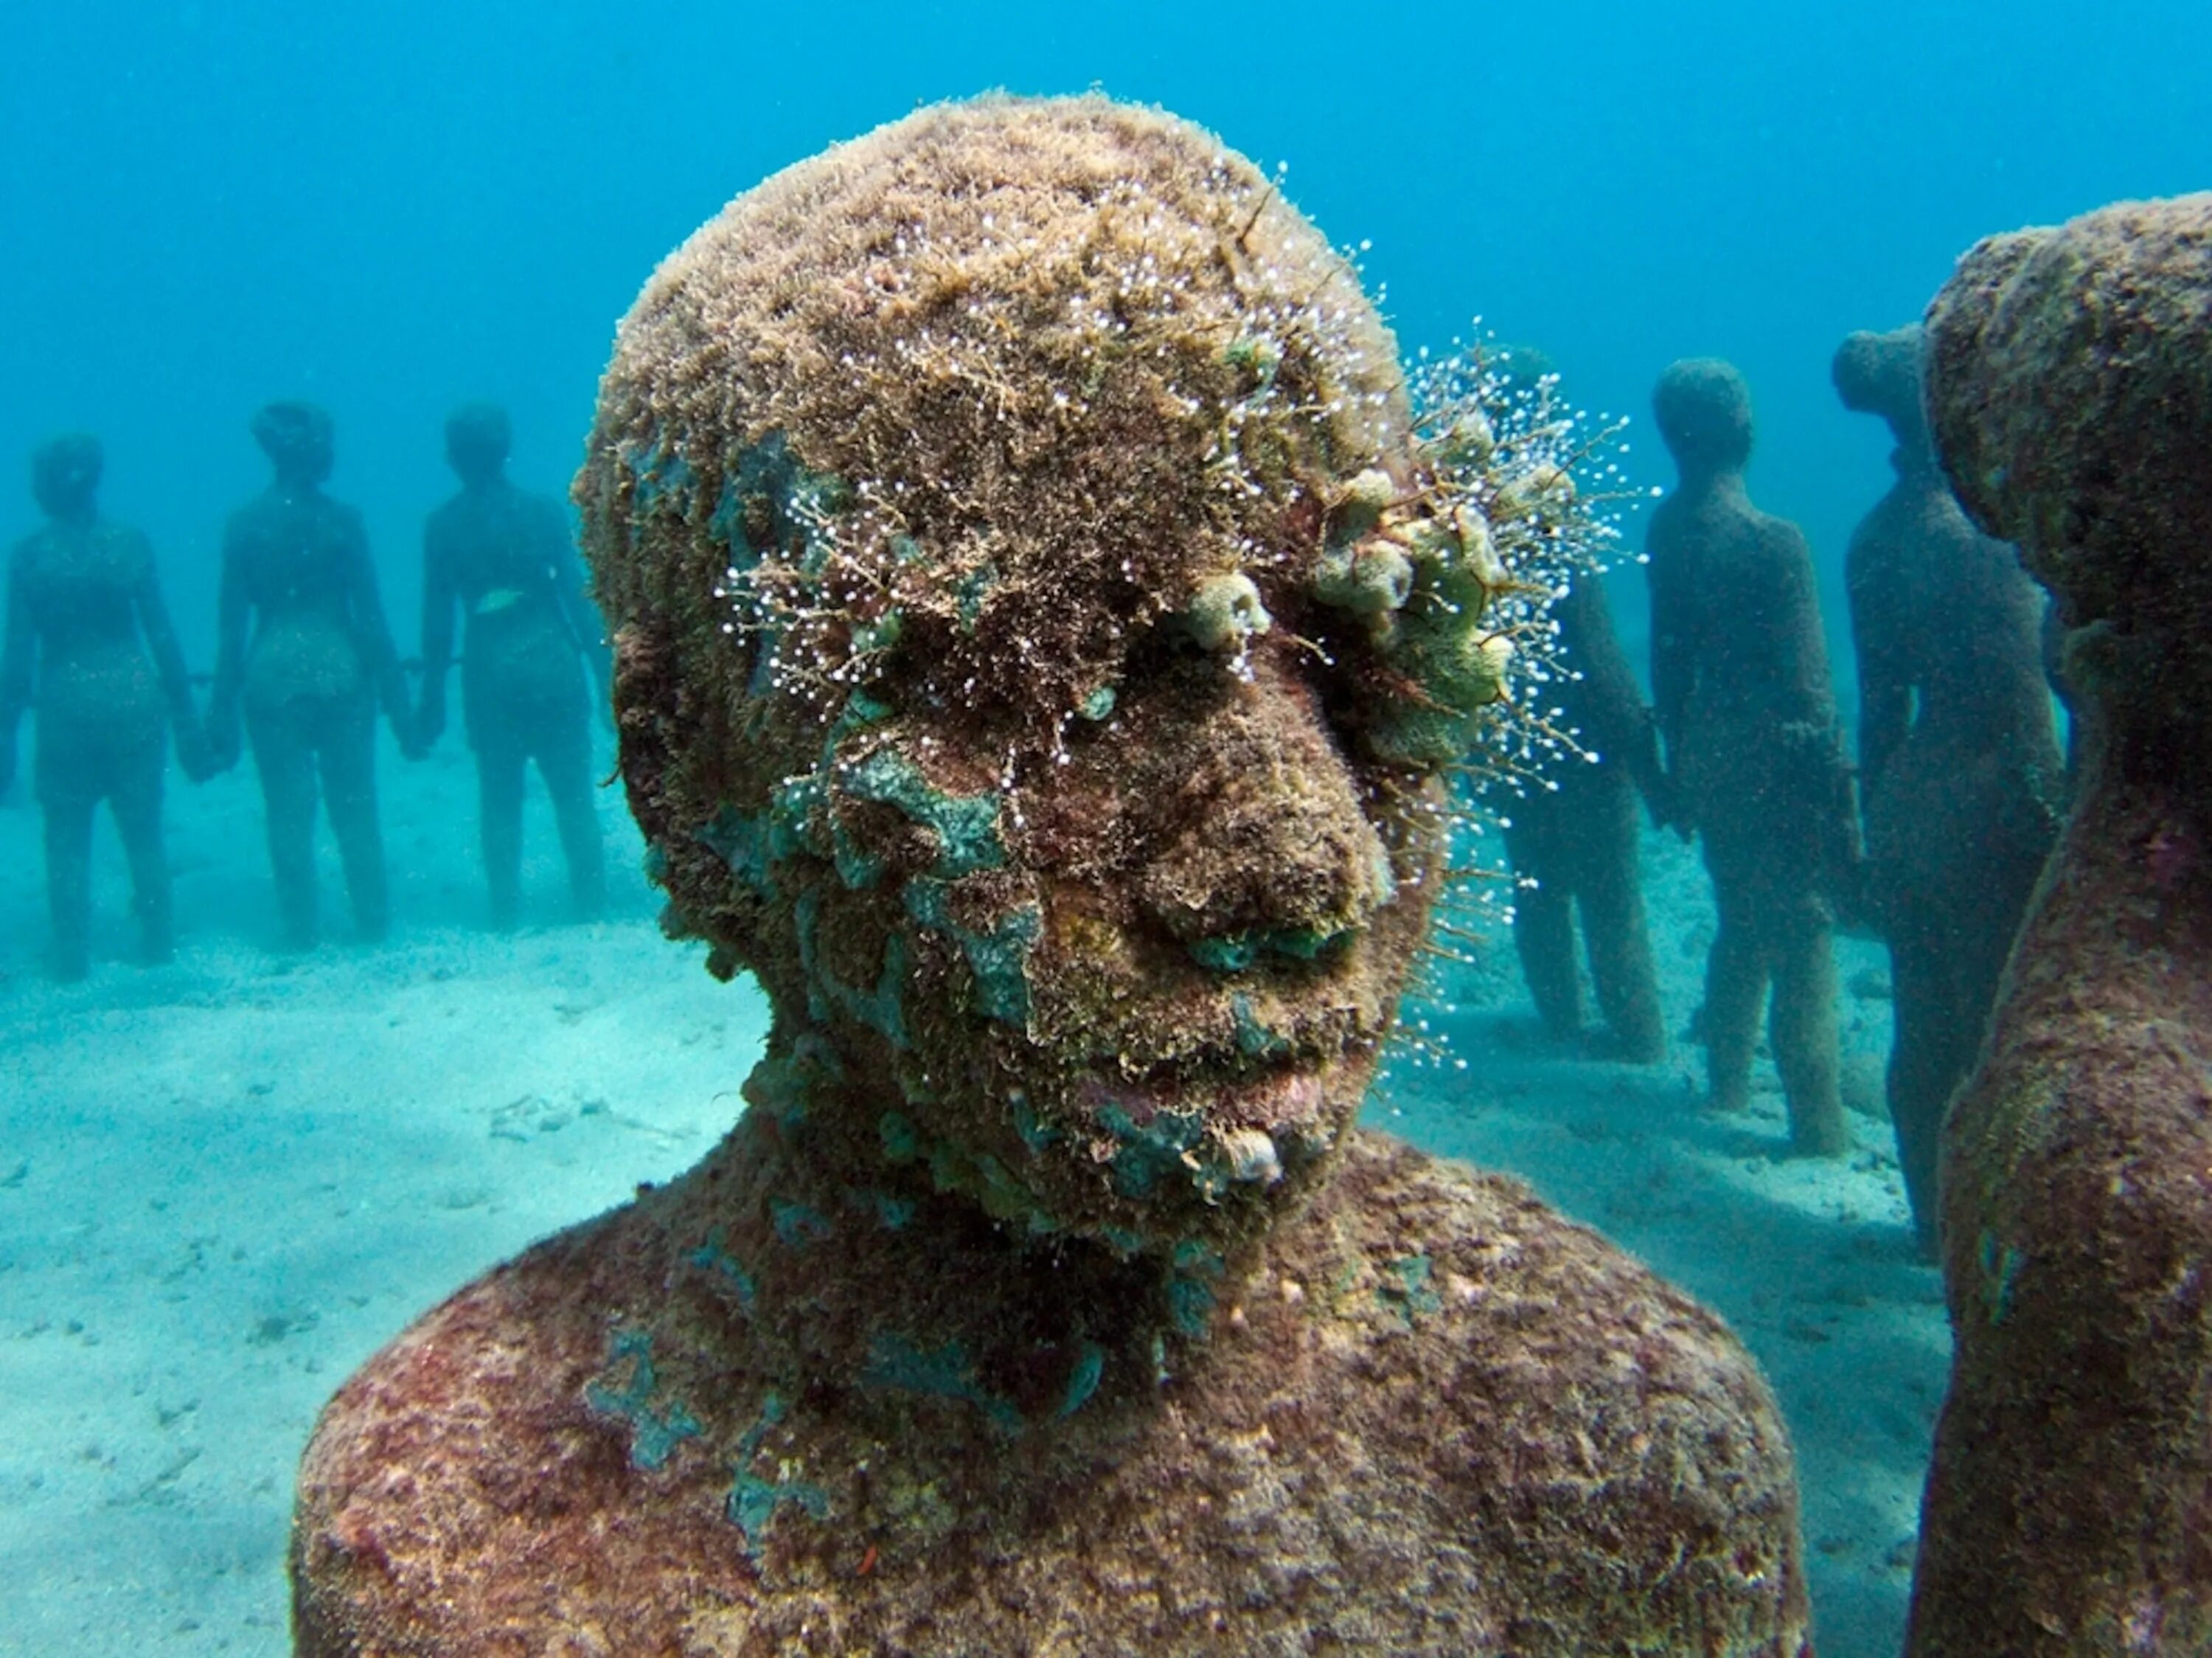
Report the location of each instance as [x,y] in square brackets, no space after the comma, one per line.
[1269,862]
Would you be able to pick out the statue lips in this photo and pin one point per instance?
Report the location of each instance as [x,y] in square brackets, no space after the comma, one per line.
[1285,1097]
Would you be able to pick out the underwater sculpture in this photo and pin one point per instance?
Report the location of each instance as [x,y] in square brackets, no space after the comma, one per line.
[1740,678]
[305,655]
[503,556]
[2068,1507]
[82,594]
[1578,841]
[1571,822]
[1035,619]
[1959,773]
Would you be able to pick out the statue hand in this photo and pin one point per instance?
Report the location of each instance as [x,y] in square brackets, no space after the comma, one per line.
[411,744]
[222,739]
[195,754]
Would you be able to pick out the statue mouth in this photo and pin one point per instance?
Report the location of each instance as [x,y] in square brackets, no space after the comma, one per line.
[1284,1095]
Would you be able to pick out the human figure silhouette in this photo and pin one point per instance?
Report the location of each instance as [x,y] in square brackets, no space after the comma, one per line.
[1959,771]
[89,646]
[1575,837]
[505,558]
[1739,674]
[305,655]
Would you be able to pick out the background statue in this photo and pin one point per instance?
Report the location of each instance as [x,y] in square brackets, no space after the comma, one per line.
[1959,773]
[2068,1507]
[1578,838]
[89,646]
[505,558]
[1572,827]
[1740,676]
[304,654]
[1001,517]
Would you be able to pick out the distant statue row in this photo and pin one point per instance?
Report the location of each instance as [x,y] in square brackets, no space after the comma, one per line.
[304,660]
[1960,777]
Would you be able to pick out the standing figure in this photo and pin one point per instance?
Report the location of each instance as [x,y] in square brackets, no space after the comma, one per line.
[506,557]
[1959,772]
[1575,836]
[90,647]
[305,653]
[2068,1504]
[1739,673]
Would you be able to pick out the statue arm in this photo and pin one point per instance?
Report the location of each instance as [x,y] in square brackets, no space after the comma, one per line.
[570,594]
[1811,699]
[1620,728]
[16,661]
[169,665]
[438,600]
[1884,685]
[233,610]
[1673,667]
[372,634]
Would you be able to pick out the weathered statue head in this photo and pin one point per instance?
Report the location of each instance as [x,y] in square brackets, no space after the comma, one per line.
[297,439]
[477,438]
[1879,374]
[2071,398]
[65,474]
[1040,636]
[1703,410]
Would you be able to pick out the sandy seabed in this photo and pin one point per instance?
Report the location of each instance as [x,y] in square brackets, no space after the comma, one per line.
[225,1182]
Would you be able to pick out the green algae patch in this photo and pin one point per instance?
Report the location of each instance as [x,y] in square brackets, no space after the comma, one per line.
[713,1258]
[965,827]
[898,1365]
[753,1502]
[655,1432]
[998,954]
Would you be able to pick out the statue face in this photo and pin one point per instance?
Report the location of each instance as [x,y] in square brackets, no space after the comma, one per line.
[1040,638]
[65,474]
[1129,974]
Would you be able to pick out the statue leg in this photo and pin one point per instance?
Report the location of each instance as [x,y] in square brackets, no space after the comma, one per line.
[564,760]
[1802,1022]
[1610,890]
[136,802]
[347,751]
[286,764]
[68,813]
[1735,982]
[1919,1078]
[1544,928]
[501,762]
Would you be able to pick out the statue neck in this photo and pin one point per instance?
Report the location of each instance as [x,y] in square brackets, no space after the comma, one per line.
[853,1270]
[1722,484]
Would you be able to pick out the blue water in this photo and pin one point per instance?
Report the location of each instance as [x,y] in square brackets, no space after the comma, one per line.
[390,209]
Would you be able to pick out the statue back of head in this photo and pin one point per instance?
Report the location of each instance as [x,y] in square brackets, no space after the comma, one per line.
[297,437]
[2071,399]
[1879,374]
[1703,410]
[477,439]
[66,474]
